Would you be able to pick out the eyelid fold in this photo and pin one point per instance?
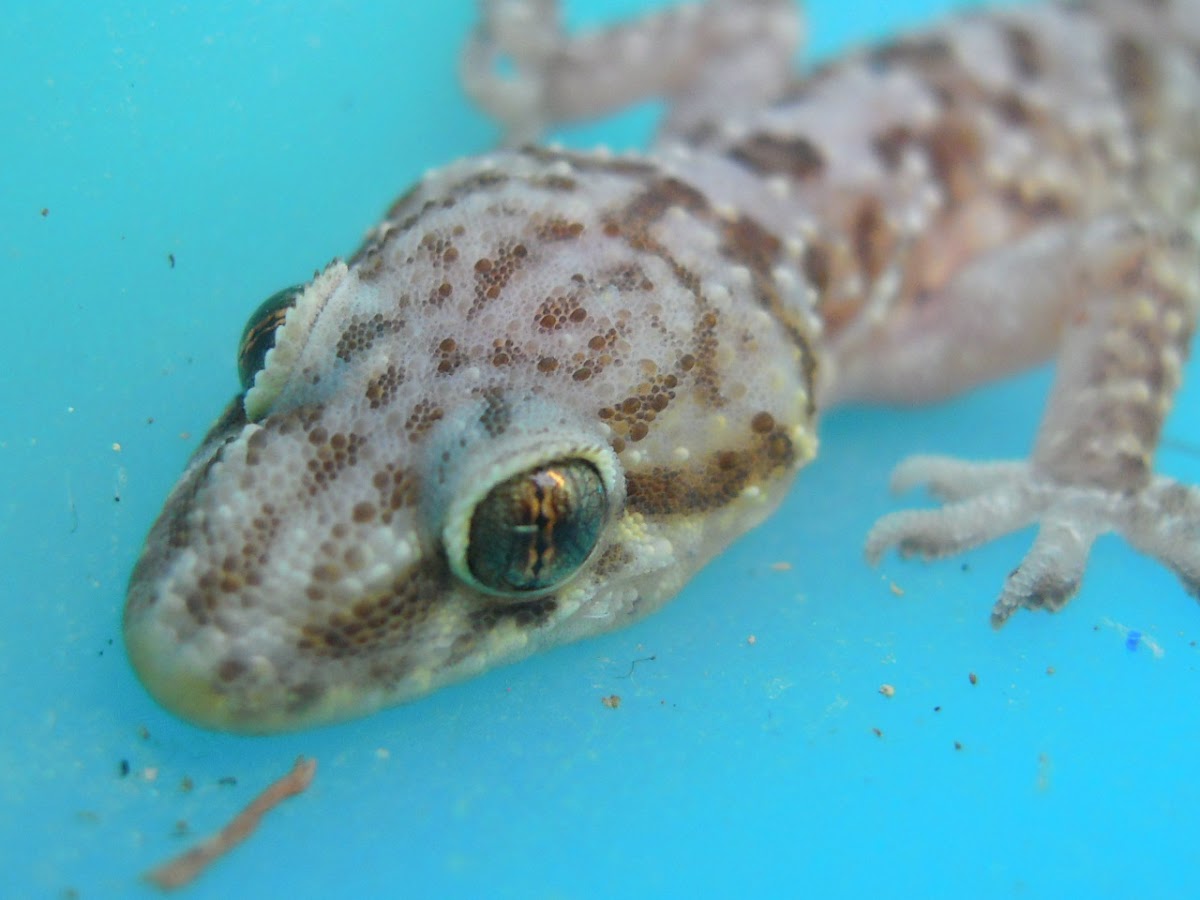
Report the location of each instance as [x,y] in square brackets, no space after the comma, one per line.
[290,337]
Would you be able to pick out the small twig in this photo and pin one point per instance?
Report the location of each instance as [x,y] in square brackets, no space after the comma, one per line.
[633,665]
[183,869]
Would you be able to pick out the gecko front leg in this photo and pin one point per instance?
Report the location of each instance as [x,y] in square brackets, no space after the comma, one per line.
[1125,336]
[705,60]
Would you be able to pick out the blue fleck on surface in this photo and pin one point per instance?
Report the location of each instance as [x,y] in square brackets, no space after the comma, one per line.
[166,166]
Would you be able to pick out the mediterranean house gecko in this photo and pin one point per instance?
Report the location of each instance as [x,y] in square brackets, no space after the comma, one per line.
[551,385]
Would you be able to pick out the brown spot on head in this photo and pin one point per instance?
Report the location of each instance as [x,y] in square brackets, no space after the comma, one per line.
[382,388]
[505,352]
[362,332]
[793,156]
[450,357]
[440,294]
[762,423]
[558,229]
[421,419]
[492,274]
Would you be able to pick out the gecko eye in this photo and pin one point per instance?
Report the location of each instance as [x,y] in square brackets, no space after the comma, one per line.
[532,531]
[259,335]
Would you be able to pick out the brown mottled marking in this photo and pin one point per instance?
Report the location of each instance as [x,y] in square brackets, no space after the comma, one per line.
[748,243]
[555,183]
[396,486]
[497,414]
[361,334]
[493,273]
[872,237]
[377,621]
[889,145]
[818,266]
[1137,79]
[714,482]
[586,162]
[505,352]
[762,423]
[422,417]
[332,455]
[450,357]
[440,294]
[1036,202]
[659,196]
[529,614]
[921,52]
[795,156]
[632,416]
[1024,52]
[1014,109]
[558,229]
[1134,70]
[955,150]
[381,389]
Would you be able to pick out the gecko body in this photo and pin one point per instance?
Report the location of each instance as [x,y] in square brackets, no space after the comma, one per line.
[551,385]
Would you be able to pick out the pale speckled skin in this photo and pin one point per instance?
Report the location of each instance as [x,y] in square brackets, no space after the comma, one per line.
[898,226]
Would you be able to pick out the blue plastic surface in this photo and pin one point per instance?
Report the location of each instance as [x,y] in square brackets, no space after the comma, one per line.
[164,168]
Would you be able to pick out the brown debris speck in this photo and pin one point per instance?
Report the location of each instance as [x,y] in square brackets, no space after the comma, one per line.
[612,701]
[887,690]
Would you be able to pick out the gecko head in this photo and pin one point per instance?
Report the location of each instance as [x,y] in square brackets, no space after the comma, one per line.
[500,427]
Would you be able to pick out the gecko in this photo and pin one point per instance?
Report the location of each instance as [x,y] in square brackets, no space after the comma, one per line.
[551,385]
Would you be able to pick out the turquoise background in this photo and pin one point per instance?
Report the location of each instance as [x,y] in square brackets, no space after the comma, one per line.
[251,142]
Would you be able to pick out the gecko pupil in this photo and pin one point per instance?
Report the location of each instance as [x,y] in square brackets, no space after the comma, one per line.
[258,337]
[533,531]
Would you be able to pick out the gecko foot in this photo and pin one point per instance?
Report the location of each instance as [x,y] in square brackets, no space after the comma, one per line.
[984,501]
